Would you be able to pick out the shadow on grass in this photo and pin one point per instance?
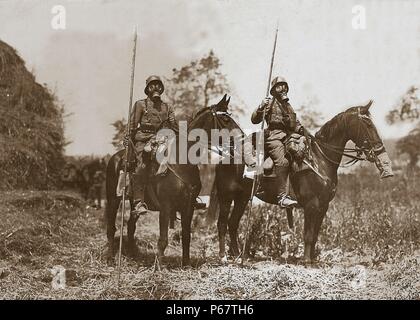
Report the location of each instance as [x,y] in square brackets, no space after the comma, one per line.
[145,255]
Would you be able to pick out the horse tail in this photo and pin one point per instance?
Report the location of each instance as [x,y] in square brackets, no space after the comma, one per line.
[214,206]
[289,212]
[111,181]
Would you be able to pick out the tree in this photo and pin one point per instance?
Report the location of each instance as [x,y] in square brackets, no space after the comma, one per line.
[407,109]
[308,116]
[193,86]
[189,89]
[120,126]
[410,145]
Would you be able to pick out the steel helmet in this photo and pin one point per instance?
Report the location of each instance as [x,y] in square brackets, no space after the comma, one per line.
[276,81]
[151,79]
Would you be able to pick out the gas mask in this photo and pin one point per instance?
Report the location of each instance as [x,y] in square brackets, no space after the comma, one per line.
[154,91]
[280,92]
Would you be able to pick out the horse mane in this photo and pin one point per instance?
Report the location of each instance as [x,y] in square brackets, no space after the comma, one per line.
[330,127]
[205,109]
[199,112]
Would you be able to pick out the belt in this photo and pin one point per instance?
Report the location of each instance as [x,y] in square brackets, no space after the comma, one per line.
[147,128]
[277,126]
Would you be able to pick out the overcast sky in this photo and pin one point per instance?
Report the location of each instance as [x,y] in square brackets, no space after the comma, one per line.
[322,56]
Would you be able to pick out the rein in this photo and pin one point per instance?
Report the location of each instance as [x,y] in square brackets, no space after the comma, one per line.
[337,150]
[370,153]
[218,125]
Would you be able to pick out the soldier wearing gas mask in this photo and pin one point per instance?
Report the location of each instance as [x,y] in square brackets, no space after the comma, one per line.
[281,121]
[147,117]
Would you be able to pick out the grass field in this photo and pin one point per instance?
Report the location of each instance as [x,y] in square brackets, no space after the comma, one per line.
[369,249]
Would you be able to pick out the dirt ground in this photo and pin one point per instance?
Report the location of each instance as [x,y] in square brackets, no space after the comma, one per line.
[44,232]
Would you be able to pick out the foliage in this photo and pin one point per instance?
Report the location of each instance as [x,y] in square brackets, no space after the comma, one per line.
[410,145]
[195,85]
[31,127]
[120,127]
[190,88]
[309,117]
[407,108]
[376,219]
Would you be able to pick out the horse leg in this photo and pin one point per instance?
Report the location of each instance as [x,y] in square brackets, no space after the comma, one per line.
[163,230]
[222,227]
[131,229]
[319,218]
[111,210]
[235,218]
[311,212]
[99,196]
[186,218]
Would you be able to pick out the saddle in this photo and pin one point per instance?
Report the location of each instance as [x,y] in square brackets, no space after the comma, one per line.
[152,166]
[156,145]
[298,153]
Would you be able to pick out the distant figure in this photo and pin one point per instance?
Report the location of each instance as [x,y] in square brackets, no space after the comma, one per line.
[70,176]
[94,178]
[95,192]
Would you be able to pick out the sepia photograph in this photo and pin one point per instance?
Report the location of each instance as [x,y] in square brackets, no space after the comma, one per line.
[226,151]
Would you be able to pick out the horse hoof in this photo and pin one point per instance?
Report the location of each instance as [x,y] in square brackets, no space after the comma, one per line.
[186,267]
[110,261]
[305,262]
[185,262]
[224,259]
[133,251]
[110,257]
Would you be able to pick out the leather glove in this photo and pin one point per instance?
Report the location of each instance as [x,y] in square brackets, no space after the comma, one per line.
[265,103]
[301,131]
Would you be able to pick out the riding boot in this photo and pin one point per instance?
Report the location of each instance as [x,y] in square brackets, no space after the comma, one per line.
[138,194]
[283,199]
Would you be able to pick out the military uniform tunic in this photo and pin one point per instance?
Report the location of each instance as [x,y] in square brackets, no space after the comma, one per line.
[146,119]
[281,120]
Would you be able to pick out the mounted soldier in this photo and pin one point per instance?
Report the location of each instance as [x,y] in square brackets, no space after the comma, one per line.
[147,117]
[281,121]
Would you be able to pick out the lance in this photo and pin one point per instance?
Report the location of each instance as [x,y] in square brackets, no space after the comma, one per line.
[133,67]
[259,143]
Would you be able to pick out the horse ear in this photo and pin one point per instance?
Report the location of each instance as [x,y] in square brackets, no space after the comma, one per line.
[223,100]
[365,109]
[227,101]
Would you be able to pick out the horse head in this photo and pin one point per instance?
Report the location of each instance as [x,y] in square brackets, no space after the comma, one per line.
[215,116]
[220,127]
[362,131]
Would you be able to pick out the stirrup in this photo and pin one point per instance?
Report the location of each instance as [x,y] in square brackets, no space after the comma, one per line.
[199,205]
[140,209]
[287,202]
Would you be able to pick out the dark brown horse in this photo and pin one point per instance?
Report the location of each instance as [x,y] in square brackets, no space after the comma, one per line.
[313,190]
[176,190]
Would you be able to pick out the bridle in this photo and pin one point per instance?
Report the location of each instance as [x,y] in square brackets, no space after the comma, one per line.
[364,152]
[217,124]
